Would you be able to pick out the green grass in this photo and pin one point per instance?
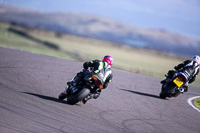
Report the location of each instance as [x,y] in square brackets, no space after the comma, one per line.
[197,102]
[77,48]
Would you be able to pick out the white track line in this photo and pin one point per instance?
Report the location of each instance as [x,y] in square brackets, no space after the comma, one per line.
[191,104]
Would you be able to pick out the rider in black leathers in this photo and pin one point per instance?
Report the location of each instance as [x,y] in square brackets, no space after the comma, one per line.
[192,65]
[98,66]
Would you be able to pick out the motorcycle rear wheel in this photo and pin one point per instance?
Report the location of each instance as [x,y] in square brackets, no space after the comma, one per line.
[79,96]
[167,91]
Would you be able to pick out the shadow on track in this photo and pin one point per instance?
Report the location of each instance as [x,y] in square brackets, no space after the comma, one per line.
[141,93]
[46,97]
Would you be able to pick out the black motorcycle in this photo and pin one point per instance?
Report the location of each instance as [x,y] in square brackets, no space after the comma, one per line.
[174,86]
[82,90]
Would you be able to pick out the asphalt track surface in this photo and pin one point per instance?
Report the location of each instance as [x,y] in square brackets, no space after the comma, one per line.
[30,84]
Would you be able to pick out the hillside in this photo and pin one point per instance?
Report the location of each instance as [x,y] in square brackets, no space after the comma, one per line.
[103,28]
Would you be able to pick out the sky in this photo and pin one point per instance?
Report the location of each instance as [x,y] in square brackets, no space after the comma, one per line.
[178,16]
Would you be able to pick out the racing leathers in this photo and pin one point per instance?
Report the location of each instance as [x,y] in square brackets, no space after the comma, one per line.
[98,67]
[191,66]
[188,64]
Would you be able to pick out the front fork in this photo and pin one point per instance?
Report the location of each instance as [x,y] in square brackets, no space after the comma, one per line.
[66,90]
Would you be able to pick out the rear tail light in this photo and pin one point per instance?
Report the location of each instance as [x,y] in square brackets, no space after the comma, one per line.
[182,78]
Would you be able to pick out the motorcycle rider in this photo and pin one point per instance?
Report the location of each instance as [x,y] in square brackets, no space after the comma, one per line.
[98,66]
[187,64]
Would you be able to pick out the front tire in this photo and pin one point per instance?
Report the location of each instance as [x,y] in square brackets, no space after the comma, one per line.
[62,96]
[163,95]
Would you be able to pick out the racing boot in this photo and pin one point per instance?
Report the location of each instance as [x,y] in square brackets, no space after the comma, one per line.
[185,87]
[168,76]
[73,82]
[94,95]
[163,81]
[86,99]
[76,80]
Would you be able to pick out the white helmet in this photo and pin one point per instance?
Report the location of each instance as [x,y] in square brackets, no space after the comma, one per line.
[196,58]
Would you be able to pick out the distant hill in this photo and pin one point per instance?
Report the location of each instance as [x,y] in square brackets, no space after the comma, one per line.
[103,28]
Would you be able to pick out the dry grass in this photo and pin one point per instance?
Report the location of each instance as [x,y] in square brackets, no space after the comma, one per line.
[137,60]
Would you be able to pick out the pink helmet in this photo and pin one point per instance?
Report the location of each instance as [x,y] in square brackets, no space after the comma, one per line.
[108,59]
[196,58]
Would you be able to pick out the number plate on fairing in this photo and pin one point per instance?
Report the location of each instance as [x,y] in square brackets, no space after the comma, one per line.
[178,82]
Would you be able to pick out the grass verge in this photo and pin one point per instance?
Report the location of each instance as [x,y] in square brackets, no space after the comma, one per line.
[197,103]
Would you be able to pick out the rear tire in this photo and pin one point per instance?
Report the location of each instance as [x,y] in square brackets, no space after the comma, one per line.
[167,90]
[79,96]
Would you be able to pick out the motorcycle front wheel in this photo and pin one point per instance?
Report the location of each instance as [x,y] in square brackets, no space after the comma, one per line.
[62,96]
